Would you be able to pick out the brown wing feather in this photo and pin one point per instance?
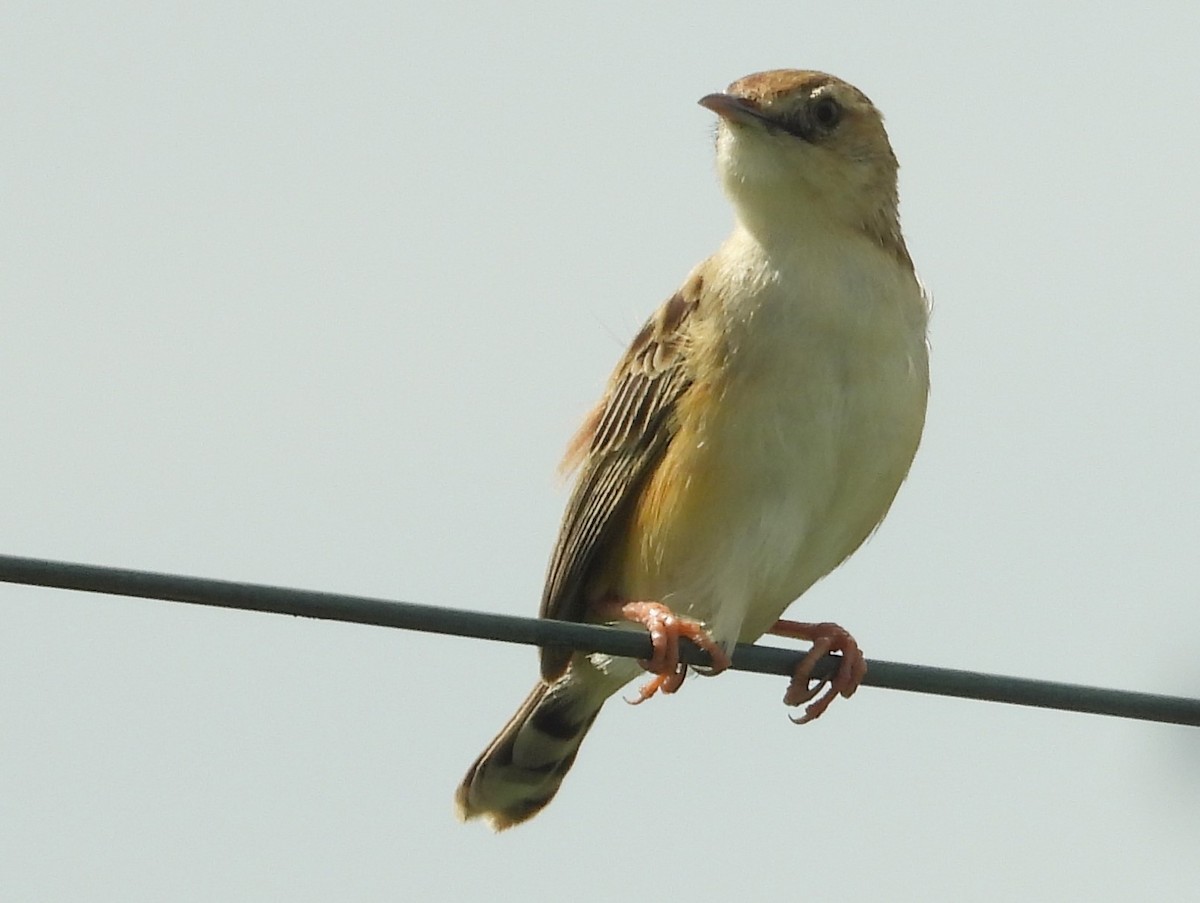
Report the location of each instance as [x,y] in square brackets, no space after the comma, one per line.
[617,448]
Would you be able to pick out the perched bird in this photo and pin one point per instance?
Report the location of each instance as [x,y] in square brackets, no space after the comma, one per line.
[750,439]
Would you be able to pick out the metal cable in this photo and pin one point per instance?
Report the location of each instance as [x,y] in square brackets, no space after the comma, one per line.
[585,637]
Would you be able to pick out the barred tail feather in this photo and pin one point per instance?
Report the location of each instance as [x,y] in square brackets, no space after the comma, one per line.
[521,770]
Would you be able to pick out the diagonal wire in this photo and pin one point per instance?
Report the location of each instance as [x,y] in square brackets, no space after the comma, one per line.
[585,637]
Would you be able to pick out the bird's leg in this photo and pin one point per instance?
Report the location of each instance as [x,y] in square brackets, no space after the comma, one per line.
[665,628]
[825,638]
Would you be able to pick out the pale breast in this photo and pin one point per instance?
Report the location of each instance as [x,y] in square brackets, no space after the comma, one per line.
[792,456]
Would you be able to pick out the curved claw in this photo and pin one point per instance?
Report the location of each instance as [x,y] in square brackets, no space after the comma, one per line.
[826,638]
[668,683]
[666,628]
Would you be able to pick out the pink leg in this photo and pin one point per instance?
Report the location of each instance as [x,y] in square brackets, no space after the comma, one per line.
[665,629]
[825,638]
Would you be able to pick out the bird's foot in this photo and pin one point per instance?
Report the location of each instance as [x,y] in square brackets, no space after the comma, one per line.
[666,628]
[826,638]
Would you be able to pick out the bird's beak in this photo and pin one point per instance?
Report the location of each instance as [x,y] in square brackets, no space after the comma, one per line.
[732,108]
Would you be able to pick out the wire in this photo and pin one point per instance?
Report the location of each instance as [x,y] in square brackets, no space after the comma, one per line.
[584,637]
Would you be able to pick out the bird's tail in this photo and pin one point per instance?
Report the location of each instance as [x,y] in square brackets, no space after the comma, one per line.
[521,770]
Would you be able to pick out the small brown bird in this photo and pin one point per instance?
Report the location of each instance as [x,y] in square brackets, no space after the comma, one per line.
[750,439]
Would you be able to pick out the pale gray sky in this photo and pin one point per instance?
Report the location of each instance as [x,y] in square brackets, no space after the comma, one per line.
[314,295]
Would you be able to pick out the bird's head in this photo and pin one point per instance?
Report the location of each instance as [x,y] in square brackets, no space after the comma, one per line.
[795,146]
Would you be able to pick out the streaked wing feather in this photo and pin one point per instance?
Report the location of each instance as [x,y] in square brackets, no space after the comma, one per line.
[628,436]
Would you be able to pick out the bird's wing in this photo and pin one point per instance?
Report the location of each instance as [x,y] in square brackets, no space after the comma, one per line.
[617,448]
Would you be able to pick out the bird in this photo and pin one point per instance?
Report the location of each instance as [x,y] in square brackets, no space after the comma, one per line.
[750,439]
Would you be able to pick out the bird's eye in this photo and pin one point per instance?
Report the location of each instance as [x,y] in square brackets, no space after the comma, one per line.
[827,113]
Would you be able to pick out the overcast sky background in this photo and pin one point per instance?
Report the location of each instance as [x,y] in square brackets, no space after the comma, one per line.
[314,295]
